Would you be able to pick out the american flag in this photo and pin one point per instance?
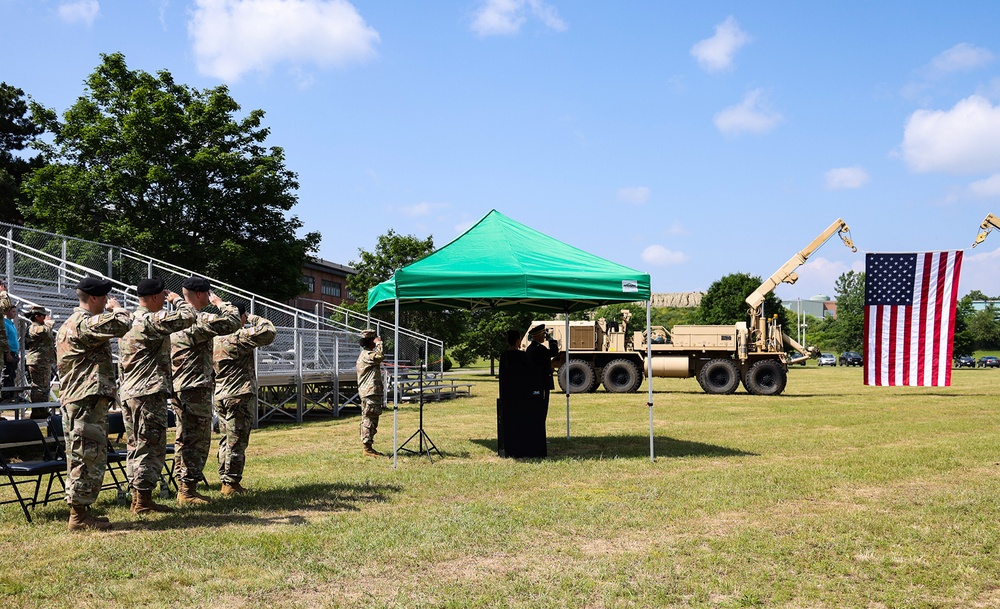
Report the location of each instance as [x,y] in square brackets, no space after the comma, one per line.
[910,317]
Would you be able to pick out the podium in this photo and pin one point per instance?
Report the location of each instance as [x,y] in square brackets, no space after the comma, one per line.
[520,410]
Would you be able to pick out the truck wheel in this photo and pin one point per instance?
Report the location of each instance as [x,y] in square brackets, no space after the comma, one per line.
[621,376]
[719,376]
[766,377]
[581,376]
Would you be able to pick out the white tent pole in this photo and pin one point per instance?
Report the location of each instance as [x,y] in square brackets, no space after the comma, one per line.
[395,386]
[649,378]
[566,340]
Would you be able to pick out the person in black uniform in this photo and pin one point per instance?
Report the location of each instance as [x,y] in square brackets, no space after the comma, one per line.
[540,358]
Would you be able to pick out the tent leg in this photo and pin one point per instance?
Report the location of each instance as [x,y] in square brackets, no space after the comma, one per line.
[395,387]
[566,341]
[649,379]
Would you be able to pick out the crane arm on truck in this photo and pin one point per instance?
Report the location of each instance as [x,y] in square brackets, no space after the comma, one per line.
[786,274]
[988,224]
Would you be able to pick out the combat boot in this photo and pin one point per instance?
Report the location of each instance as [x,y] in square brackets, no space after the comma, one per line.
[232,488]
[80,520]
[142,503]
[189,495]
[368,451]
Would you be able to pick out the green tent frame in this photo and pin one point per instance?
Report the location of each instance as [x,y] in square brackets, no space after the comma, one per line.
[502,264]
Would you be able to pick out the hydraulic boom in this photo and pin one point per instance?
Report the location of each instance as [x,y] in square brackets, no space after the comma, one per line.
[786,274]
[988,224]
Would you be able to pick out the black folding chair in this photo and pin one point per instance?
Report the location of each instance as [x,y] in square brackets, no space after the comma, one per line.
[167,475]
[117,457]
[21,443]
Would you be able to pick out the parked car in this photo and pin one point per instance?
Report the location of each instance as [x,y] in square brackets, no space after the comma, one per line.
[850,358]
[827,359]
[965,361]
[989,361]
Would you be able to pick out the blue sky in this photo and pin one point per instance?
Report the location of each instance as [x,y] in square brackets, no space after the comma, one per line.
[688,140]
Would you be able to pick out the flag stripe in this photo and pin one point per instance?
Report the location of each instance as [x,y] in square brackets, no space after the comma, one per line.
[910,317]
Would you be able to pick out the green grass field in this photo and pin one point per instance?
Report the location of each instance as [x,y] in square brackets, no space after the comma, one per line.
[831,495]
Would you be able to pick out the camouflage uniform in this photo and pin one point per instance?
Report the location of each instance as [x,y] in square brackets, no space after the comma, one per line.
[87,388]
[236,392]
[191,358]
[370,390]
[144,366]
[39,357]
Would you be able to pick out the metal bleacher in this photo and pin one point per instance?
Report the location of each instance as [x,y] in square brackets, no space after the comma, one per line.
[308,369]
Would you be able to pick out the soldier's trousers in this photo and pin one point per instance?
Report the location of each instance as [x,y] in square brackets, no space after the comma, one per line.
[193,408]
[86,425]
[371,410]
[236,416]
[40,378]
[146,432]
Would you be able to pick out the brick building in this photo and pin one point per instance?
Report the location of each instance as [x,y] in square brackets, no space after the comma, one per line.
[323,281]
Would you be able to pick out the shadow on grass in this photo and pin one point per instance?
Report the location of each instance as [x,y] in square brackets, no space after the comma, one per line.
[288,505]
[625,447]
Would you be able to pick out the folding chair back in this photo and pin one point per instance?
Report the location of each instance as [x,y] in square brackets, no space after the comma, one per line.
[117,457]
[21,445]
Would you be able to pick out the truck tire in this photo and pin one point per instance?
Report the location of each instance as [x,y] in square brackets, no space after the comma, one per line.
[581,376]
[766,377]
[719,376]
[621,376]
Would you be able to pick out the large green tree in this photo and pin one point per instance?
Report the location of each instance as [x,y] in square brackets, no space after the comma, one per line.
[392,252]
[725,301]
[17,132]
[849,334]
[963,343]
[149,164]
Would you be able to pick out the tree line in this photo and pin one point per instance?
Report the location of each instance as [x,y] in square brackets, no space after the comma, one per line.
[143,162]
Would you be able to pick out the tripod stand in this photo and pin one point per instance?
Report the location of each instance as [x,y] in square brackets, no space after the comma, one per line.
[420,434]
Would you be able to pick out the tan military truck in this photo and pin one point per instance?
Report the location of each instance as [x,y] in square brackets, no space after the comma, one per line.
[720,357]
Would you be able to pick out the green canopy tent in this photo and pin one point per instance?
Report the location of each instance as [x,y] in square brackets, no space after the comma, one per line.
[502,264]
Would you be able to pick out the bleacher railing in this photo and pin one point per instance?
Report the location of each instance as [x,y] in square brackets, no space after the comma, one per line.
[311,346]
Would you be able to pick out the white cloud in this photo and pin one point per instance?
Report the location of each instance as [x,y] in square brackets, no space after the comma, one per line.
[421,209]
[752,115]
[657,255]
[79,11]
[963,140]
[960,58]
[979,272]
[716,53]
[233,37]
[846,178]
[634,194]
[986,189]
[506,17]
[817,276]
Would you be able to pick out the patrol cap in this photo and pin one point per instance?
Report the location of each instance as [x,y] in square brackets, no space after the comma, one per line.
[539,329]
[94,286]
[197,284]
[369,333]
[36,310]
[148,287]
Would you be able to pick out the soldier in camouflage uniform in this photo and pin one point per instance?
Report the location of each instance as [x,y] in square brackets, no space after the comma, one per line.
[370,389]
[144,366]
[39,357]
[236,394]
[87,388]
[191,360]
